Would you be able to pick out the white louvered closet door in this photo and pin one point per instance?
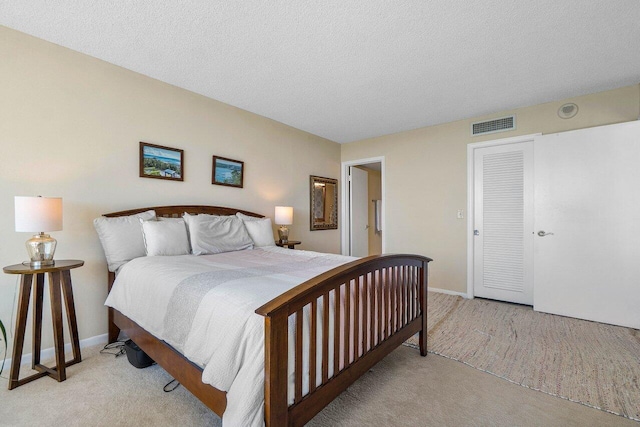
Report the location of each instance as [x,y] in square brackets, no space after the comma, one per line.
[503,239]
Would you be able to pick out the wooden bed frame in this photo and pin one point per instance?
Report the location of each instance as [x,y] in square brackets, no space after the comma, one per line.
[385,300]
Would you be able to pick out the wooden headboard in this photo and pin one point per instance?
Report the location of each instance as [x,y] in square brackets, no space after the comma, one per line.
[177,211]
[166,212]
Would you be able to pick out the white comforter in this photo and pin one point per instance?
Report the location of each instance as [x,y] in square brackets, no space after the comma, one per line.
[226,336]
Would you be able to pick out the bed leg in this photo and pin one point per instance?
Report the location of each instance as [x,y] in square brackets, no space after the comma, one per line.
[112,330]
[276,365]
[423,306]
[423,343]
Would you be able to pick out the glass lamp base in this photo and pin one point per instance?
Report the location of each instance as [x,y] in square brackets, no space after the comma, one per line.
[39,264]
[41,248]
[283,234]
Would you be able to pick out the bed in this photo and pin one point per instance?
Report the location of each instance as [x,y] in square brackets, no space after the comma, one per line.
[356,314]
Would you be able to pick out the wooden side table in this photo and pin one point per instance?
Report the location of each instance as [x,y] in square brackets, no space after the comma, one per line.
[59,279]
[291,244]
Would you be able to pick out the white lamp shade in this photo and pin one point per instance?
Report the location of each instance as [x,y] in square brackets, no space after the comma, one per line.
[38,214]
[284,215]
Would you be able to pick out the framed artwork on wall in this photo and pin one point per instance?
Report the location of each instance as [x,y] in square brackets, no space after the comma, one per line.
[324,203]
[161,162]
[227,172]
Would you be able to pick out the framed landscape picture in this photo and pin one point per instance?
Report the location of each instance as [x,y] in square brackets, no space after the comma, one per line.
[161,162]
[227,172]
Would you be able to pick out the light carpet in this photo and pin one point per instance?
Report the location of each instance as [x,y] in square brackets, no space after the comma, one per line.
[591,363]
[404,389]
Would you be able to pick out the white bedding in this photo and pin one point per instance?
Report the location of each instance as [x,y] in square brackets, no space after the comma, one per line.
[226,336]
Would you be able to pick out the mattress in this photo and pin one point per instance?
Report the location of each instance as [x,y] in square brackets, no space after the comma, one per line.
[204,306]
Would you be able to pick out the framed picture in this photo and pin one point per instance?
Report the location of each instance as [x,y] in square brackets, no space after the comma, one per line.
[227,172]
[161,162]
[324,203]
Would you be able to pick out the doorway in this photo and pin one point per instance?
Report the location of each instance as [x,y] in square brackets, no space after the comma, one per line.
[363,207]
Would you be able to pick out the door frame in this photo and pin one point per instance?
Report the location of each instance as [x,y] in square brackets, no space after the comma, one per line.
[471,192]
[344,212]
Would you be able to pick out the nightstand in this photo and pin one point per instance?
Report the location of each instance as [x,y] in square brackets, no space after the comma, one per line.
[59,280]
[291,244]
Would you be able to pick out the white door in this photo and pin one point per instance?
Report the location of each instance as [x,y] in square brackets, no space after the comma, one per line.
[359,212]
[503,222]
[587,194]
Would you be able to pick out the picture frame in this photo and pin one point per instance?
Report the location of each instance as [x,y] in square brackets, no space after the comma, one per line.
[160,162]
[323,198]
[228,172]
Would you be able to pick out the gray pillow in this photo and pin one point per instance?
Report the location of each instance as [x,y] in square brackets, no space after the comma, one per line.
[211,234]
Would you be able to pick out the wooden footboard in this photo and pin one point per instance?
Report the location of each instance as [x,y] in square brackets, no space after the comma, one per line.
[367,308]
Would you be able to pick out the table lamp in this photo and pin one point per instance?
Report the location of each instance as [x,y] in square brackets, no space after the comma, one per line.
[284,217]
[39,215]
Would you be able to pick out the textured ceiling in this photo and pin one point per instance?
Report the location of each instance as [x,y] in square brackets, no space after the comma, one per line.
[348,70]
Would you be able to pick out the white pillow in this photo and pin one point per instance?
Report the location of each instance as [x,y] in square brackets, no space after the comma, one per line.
[260,230]
[166,237]
[210,234]
[247,217]
[121,237]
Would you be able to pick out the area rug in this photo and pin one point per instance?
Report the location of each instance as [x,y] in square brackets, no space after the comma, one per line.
[591,363]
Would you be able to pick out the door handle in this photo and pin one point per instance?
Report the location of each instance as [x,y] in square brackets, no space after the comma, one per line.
[542,233]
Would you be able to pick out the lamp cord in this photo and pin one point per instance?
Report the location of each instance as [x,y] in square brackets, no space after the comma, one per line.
[115,348]
[166,388]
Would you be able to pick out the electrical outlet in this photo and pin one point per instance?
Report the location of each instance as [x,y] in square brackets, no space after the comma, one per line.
[460,214]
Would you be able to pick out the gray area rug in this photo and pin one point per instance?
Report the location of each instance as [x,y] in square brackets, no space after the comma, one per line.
[591,363]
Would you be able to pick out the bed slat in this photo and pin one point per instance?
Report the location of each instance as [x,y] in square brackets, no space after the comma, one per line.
[347,322]
[365,313]
[325,337]
[403,291]
[298,357]
[336,330]
[356,319]
[312,346]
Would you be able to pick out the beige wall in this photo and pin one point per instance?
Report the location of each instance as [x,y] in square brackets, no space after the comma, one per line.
[426,175]
[70,126]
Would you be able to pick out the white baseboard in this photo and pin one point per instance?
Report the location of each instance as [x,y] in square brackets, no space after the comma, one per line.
[448,292]
[49,353]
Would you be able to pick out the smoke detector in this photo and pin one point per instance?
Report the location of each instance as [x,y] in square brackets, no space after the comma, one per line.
[567,111]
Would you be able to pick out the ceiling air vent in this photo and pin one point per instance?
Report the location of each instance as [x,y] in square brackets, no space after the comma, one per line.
[492,126]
